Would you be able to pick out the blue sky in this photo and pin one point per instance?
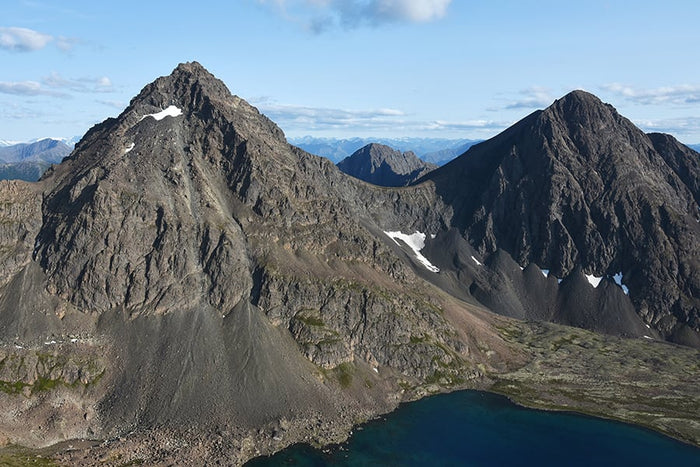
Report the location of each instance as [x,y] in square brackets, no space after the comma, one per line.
[422,68]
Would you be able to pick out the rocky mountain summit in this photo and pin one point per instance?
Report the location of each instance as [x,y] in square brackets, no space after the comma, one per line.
[384,166]
[188,285]
[577,187]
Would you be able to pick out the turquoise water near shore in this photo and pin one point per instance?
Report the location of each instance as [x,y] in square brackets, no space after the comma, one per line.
[472,428]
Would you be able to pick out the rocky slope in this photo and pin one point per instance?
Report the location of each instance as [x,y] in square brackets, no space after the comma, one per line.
[384,166]
[187,285]
[579,187]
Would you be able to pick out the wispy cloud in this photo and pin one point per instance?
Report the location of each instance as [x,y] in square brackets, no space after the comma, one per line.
[679,127]
[683,94]
[86,85]
[321,15]
[309,119]
[320,117]
[535,97]
[22,39]
[55,85]
[13,111]
[112,103]
[28,88]
[16,39]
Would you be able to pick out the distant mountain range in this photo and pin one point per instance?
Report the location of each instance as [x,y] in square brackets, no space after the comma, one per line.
[28,161]
[382,165]
[68,141]
[434,150]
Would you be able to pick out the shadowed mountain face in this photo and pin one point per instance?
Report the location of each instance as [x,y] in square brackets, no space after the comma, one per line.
[381,165]
[579,186]
[189,275]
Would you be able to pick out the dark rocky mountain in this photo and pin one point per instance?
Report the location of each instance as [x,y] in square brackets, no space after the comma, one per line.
[579,187]
[187,285]
[684,161]
[381,165]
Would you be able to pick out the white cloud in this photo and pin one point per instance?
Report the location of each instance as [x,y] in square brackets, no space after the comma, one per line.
[532,98]
[318,117]
[683,94]
[22,39]
[27,88]
[679,127]
[14,111]
[120,105]
[56,81]
[301,119]
[411,10]
[56,85]
[321,15]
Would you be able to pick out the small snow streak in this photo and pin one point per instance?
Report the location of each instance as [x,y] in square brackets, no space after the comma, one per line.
[477,261]
[415,242]
[545,272]
[618,280]
[171,111]
[128,150]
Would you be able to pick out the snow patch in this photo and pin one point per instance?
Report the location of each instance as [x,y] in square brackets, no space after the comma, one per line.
[128,150]
[593,280]
[74,340]
[171,111]
[415,242]
[618,280]
[478,263]
[49,342]
[648,327]
[647,337]
[432,236]
[375,370]
[545,272]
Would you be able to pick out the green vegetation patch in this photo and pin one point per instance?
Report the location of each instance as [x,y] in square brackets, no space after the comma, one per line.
[15,456]
[48,371]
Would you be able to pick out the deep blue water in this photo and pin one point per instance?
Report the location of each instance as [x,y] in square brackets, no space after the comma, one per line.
[471,428]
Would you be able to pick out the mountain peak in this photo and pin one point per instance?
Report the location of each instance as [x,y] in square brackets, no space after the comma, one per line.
[582,108]
[385,166]
[192,68]
[188,87]
[581,96]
